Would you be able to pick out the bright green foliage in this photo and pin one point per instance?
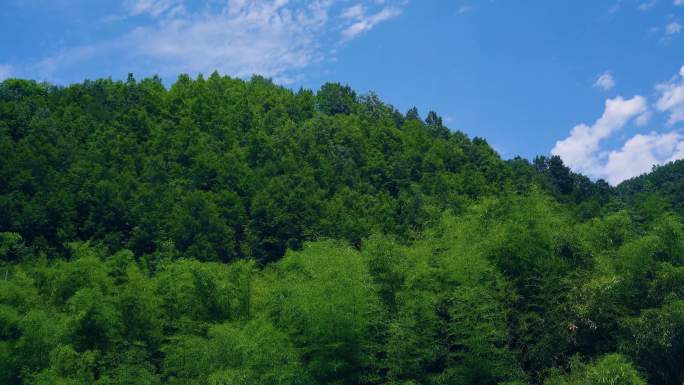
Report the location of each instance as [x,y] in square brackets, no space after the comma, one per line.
[234,354]
[532,243]
[450,322]
[657,341]
[192,294]
[324,298]
[609,369]
[666,181]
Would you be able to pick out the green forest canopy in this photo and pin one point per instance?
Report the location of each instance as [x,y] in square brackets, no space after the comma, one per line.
[224,231]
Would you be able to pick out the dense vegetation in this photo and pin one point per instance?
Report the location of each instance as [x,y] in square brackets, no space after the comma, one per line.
[235,232]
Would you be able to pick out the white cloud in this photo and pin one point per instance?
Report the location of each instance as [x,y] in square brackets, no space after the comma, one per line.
[582,150]
[673,28]
[639,154]
[671,98]
[605,81]
[274,38]
[5,72]
[365,23]
[678,2]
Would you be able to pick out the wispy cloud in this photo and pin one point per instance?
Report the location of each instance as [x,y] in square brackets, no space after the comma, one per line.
[673,28]
[274,38]
[364,22]
[667,33]
[256,37]
[155,8]
[354,12]
[605,81]
[671,99]
[583,149]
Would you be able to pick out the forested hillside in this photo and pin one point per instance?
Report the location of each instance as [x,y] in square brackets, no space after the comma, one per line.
[223,231]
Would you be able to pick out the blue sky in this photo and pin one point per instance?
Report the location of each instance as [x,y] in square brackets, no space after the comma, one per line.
[598,82]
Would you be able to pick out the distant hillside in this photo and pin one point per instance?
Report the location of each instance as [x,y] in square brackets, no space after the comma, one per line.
[225,168]
[667,181]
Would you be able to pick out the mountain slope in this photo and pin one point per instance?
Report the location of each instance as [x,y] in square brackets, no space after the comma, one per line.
[225,168]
